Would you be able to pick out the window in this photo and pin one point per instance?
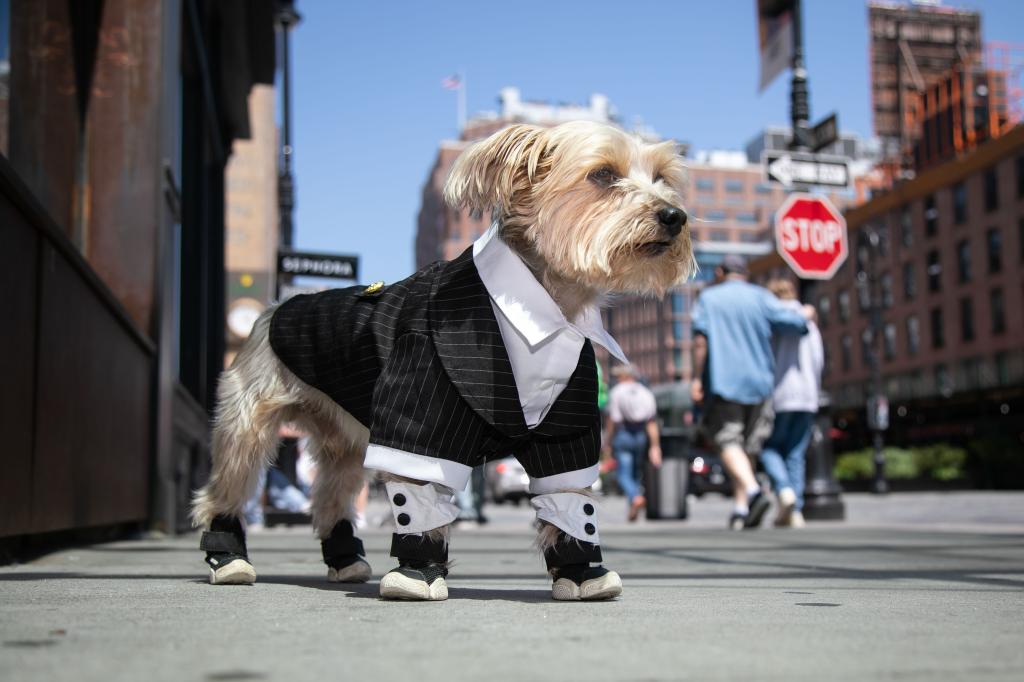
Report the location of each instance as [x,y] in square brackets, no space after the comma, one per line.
[887,290]
[734,186]
[909,283]
[844,305]
[906,228]
[762,188]
[913,335]
[866,339]
[959,203]
[963,260]
[706,184]
[889,340]
[863,295]
[931,217]
[990,183]
[846,350]
[882,230]
[746,217]
[938,333]
[934,271]
[994,240]
[997,311]
[824,308]
[966,319]
[943,382]
[714,215]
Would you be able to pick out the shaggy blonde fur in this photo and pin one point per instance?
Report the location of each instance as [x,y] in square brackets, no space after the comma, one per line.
[255,396]
[579,204]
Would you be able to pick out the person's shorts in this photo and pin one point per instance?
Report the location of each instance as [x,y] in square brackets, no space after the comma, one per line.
[736,424]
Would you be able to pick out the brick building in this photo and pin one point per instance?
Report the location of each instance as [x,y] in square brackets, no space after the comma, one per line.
[947,271]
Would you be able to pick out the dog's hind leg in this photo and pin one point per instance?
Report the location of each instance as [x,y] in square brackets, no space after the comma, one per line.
[338,442]
[253,401]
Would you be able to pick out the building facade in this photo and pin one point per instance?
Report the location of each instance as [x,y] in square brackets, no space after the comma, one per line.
[941,257]
[251,220]
[911,47]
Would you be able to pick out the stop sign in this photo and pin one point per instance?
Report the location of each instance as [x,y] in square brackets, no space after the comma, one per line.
[810,235]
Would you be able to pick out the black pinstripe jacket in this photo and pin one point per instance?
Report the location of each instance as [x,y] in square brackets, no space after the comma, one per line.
[422,363]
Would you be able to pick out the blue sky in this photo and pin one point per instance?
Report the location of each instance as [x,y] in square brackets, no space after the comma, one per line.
[369,109]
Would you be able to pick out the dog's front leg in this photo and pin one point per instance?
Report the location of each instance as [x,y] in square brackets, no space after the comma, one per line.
[423,514]
[569,540]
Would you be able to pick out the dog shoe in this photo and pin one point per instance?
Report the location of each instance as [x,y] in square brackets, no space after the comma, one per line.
[354,571]
[226,553]
[580,582]
[415,581]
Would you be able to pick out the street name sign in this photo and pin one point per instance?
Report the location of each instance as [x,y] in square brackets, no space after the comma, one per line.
[333,265]
[825,132]
[799,168]
[810,235]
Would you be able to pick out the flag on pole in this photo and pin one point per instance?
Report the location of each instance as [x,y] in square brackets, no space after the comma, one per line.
[453,82]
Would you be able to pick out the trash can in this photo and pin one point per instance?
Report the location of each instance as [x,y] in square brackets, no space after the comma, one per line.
[665,487]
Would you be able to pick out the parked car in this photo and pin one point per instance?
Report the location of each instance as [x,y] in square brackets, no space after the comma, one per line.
[507,481]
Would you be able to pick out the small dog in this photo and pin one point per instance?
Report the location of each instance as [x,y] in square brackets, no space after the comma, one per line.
[482,356]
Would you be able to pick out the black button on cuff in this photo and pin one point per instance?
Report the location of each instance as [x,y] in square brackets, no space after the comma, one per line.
[398,499]
[590,529]
[588,509]
[403,519]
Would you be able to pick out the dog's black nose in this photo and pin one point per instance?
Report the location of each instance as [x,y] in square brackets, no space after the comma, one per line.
[672,219]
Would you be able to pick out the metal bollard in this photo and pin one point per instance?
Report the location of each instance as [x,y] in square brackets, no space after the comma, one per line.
[822,494]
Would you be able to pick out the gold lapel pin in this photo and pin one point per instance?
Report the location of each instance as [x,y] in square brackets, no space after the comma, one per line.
[374,288]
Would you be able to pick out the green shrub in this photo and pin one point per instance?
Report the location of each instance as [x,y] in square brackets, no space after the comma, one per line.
[941,462]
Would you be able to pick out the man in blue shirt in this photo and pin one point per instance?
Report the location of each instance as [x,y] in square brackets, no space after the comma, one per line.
[734,374]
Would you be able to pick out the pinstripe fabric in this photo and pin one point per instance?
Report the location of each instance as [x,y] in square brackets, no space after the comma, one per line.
[423,364]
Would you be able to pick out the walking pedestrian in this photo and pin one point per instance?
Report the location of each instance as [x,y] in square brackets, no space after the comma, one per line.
[798,364]
[733,369]
[632,434]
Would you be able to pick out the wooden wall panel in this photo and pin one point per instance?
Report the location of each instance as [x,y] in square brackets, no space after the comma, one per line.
[94,405]
[18,262]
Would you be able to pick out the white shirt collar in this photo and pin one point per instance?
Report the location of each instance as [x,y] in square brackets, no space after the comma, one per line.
[525,303]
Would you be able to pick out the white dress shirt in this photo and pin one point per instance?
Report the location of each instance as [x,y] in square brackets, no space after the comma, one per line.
[543,347]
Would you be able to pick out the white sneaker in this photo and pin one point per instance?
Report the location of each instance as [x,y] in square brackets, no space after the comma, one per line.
[357,572]
[796,520]
[423,584]
[787,500]
[236,572]
[585,584]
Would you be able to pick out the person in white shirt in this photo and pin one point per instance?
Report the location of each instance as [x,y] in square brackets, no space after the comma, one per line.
[632,435]
[798,364]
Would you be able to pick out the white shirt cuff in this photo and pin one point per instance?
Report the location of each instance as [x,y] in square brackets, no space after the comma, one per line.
[417,467]
[581,478]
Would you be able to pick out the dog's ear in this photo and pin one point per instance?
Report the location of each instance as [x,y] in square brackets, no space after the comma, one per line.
[491,172]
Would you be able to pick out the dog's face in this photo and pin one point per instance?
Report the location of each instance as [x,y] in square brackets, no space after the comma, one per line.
[598,206]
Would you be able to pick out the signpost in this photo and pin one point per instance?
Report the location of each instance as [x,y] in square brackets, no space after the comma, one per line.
[799,168]
[810,235]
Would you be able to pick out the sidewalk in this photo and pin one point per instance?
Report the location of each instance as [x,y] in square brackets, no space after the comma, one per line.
[862,600]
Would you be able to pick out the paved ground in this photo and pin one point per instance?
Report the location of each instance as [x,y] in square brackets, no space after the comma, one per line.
[910,587]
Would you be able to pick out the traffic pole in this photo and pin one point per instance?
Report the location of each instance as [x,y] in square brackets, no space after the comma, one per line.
[822,495]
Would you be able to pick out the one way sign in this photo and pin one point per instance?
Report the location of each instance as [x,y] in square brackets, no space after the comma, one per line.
[797,168]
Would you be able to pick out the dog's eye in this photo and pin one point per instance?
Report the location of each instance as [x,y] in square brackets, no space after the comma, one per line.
[603,176]
[659,178]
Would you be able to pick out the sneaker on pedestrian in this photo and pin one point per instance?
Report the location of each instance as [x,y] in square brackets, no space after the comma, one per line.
[415,581]
[582,582]
[796,519]
[787,504]
[737,521]
[759,505]
[638,504]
